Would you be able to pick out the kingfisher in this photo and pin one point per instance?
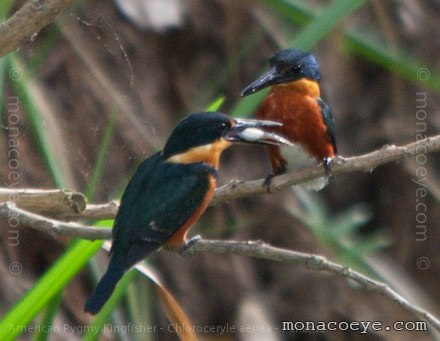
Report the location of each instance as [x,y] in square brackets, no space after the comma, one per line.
[295,101]
[171,189]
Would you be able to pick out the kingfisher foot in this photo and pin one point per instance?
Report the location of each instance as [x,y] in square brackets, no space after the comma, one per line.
[189,243]
[327,162]
[267,182]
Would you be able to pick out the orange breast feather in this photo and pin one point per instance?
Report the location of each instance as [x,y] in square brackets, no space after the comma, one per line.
[177,240]
[302,123]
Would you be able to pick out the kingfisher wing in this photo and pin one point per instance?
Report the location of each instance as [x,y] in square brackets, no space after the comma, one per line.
[327,115]
[159,199]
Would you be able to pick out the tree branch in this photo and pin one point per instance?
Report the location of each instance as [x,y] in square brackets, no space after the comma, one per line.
[52,202]
[35,201]
[340,165]
[28,20]
[53,227]
[258,249]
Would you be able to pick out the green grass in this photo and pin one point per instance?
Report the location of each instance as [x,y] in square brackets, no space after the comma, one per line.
[340,233]
[98,324]
[46,288]
[99,166]
[398,62]
[22,90]
[320,24]
[45,295]
[47,320]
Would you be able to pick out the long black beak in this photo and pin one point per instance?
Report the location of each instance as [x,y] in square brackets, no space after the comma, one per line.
[269,78]
[251,131]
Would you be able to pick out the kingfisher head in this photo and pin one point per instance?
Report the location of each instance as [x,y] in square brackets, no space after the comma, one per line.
[288,65]
[201,137]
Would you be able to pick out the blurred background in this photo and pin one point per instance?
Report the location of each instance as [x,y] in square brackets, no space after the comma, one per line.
[100,89]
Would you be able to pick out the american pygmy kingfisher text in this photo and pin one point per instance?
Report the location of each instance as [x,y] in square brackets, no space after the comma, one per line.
[171,189]
[294,100]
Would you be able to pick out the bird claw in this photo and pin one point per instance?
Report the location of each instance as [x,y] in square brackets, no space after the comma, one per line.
[267,182]
[327,162]
[190,242]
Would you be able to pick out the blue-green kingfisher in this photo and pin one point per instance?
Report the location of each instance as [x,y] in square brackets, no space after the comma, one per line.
[171,189]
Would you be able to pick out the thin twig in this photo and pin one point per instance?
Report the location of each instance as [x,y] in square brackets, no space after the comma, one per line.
[239,189]
[261,250]
[340,165]
[52,202]
[28,20]
[53,227]
[254,249]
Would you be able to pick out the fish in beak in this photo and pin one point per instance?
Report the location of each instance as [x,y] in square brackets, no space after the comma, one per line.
[252,131]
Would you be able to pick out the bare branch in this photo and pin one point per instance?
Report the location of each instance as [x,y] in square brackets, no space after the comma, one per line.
[366,162]
[28,20]
[254,249]
[233,190]
[51,226]
[53,202]
[261,250]
[101,211]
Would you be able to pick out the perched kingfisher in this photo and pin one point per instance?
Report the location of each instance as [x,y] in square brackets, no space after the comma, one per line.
[171,189]
[295,101]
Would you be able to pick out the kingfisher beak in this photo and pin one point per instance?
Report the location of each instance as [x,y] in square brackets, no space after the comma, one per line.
[271,77]
[251,131]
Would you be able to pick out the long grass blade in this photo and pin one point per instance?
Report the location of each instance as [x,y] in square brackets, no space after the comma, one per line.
[52,151]
[399,63]
[100,159]
[97,327]
[48,286]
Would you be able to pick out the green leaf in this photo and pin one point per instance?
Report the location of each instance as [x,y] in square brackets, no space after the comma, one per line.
[217,104]
[371,244]
[350,221]
[292,11]
[47,287]
[5,7]
[141,299]
[397,62]
[324,23]
[46,323]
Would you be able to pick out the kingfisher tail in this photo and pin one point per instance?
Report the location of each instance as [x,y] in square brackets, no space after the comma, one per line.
[105,287]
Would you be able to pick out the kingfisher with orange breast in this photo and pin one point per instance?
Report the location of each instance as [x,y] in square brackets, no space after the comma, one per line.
[295,101]
[170,191]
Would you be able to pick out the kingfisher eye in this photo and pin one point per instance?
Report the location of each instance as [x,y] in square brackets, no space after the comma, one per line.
[297,68]
[222,126]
